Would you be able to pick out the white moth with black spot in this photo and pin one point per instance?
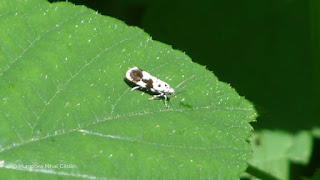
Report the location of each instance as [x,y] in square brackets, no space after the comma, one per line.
[146,81]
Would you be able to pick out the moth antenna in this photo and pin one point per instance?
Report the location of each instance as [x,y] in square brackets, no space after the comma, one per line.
[178,92]
[184,81]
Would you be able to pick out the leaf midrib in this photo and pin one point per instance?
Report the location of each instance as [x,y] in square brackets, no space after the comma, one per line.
[114,118]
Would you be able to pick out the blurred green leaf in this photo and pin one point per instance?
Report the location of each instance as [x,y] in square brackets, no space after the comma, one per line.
[65,102]
[316,132]
[274,150]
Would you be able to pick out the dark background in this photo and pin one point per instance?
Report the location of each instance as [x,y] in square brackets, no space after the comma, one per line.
[268,50]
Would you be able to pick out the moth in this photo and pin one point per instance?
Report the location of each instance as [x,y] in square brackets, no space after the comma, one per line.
[145,80]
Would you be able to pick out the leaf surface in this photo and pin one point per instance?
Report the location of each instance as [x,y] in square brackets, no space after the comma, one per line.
[66,110]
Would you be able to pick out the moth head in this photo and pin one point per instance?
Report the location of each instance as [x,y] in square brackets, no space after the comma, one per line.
[169,89]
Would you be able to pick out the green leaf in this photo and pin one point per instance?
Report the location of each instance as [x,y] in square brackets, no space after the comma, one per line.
[64,101]
[316,132]
[274,150]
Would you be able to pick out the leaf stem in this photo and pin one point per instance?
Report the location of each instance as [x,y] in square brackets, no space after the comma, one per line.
[260,173]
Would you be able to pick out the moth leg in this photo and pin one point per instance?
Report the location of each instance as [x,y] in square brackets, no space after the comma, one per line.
[156,96]
[134,88]
[160,95]
[165,100]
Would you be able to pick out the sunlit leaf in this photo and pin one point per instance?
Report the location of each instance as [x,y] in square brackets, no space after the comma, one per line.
[66,110]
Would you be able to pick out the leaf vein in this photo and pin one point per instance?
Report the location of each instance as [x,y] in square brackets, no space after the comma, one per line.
[154,143]
[112,118]
[48,171]
[76,74]
[36,40]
